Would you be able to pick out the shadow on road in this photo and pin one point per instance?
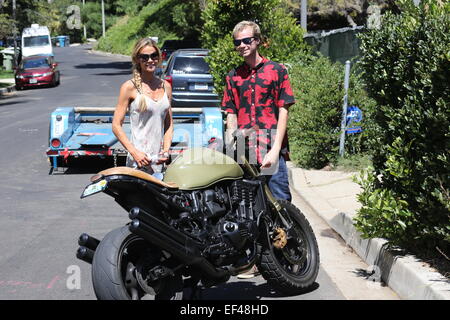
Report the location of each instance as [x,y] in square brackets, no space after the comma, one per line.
[113,73]
[123,65]
[6,101]
[247,290]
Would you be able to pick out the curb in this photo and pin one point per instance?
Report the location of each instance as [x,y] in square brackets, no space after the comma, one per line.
[7,89]
[404,274]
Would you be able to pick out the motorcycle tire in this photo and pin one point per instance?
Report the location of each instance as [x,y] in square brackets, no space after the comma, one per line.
[281,274]
[109,267]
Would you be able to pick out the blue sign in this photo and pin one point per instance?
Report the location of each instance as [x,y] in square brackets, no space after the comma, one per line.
[354,115]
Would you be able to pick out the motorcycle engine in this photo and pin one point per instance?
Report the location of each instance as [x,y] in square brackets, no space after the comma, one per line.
[236,230]
[224,218]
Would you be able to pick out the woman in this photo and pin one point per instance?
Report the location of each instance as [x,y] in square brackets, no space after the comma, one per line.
[148,99]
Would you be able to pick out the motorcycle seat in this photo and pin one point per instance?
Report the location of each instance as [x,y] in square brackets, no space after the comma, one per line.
[127,171]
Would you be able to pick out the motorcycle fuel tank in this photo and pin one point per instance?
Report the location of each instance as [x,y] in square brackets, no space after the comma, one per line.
[198,168]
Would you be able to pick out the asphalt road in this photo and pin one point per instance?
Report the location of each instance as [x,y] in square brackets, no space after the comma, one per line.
[42,215]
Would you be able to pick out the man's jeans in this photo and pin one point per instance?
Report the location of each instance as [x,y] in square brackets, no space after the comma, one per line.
[279,182]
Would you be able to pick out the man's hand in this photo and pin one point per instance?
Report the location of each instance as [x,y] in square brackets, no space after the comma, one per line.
[270,159]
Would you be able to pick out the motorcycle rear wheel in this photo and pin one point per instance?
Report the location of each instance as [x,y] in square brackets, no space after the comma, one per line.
[119,251]
[293,269]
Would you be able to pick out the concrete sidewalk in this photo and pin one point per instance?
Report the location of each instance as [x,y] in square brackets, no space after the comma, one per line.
[333,196]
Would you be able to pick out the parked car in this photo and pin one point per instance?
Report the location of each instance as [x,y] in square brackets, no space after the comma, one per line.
[191,80]
[37,71]
[171,46]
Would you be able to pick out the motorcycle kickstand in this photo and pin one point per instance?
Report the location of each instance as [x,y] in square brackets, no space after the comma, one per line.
[195,291]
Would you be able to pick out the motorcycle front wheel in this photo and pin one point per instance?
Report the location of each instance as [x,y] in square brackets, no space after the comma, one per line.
[290,265]
[120,270]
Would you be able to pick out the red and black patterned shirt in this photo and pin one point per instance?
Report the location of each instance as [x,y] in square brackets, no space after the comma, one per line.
[255,96]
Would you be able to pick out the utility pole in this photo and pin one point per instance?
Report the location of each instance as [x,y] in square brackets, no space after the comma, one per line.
[84,25]
[303,14]
[14,33]
[103,17]
[344,109]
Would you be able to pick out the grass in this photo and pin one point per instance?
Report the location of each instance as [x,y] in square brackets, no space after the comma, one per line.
[353,162]
[6,74]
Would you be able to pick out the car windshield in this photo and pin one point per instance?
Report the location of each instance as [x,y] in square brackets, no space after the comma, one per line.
[190,65]
[35,63]
[35,41]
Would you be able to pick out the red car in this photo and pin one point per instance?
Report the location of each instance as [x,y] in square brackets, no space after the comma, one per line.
[37,71]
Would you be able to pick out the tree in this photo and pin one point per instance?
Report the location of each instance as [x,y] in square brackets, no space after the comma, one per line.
[283,38]
[334,14]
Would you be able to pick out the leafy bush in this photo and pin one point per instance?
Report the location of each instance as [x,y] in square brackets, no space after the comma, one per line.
[315,120]
[406,66]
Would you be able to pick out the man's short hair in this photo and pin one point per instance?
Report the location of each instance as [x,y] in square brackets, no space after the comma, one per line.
[244,24]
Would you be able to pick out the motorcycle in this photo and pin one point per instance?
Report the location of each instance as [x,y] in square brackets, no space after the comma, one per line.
[209,219]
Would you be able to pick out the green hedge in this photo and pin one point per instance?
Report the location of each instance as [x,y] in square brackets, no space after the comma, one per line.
[315,120]
[406,66]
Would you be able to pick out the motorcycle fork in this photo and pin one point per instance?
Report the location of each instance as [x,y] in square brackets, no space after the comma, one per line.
[277,208]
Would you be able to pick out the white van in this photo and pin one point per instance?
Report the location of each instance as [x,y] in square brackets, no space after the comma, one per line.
[36,41]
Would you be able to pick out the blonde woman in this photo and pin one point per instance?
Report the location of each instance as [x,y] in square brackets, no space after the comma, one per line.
[148,99]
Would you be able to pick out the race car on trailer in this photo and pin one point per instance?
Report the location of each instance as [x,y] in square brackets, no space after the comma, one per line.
[77,132]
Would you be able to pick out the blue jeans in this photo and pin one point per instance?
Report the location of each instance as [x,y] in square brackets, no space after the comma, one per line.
[279,182]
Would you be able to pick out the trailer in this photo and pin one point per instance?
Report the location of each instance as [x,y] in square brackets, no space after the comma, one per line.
[36,41]
[82,132]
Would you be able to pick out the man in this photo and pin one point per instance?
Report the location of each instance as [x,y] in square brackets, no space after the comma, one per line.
[257,97]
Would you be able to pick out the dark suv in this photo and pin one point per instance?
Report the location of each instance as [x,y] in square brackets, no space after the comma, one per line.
[170,46]
[192,83]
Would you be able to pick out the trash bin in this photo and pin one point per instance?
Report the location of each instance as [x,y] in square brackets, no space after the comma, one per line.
[8,58]
[61,40]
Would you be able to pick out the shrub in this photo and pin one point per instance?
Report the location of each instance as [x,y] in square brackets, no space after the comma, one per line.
[406,66]
[315,120]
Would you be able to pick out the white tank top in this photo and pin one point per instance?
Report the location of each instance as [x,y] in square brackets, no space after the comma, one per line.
[147,128]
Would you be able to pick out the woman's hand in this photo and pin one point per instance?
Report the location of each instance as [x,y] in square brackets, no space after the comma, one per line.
[163,157]
[141,158]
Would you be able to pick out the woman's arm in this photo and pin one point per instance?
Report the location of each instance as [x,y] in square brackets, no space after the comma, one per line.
[168,124]
[125,97]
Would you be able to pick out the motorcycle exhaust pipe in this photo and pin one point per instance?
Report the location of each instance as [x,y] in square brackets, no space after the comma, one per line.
[85,254]
[184,251]
[87,241]
[142,215]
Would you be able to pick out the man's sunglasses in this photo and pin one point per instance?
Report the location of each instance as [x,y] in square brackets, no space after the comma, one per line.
[237,42]
[146,57]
